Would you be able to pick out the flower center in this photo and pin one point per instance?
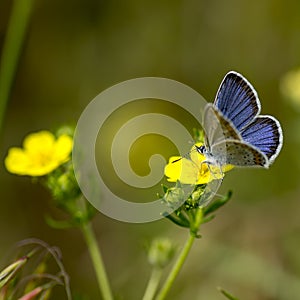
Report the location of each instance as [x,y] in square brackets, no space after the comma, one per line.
[42,158]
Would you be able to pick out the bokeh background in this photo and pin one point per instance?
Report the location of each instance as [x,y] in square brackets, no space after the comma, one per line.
[75,49]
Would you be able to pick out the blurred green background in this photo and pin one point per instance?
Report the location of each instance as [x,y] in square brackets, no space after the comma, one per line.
[76,49]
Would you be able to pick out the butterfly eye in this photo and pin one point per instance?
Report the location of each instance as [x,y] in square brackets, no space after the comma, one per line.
[201,149]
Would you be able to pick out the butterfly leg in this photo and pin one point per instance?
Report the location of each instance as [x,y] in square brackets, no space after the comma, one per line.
[213,172]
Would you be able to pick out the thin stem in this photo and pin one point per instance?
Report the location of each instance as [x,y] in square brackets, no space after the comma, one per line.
[176,268]
[182,256]
[96,257]
[13,43]
[152,284]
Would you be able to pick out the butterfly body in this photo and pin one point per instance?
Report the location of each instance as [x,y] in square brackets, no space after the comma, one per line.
[235,132]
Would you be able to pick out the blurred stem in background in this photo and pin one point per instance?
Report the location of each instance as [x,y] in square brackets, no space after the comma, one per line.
[14,40]
[98,263]
[160,253]
[153,284]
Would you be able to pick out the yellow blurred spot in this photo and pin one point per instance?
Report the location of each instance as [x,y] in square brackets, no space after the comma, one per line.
[290,87]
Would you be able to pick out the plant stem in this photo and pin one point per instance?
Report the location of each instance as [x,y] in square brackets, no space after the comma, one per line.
[176,268]
[96,256]
[152,284]
[182,256]
[13,43]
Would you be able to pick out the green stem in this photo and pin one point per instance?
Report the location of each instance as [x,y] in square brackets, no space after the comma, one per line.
[152,284]
[176,268]
[13,43]
[97,261]
[182,256]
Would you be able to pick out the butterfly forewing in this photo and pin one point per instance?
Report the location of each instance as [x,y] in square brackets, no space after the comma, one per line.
[237,100]
[217,129]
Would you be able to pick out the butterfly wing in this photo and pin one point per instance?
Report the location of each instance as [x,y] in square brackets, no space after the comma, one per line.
[235,133]
[216,127]
[237,100]
[238,153]
[264,133]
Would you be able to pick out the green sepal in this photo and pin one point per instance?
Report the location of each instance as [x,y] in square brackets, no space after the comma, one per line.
[208,219]
[164,188]
[177,220]
[58,224]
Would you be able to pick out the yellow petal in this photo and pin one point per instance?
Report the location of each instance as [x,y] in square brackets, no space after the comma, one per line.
[16,161]
[183,170]
[41,170]
[62,148]
[172,169]
[41,141]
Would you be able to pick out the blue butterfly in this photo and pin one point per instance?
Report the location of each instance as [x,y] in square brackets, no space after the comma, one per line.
[235,132]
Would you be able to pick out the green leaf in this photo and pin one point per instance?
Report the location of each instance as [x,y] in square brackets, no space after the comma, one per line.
[217,204]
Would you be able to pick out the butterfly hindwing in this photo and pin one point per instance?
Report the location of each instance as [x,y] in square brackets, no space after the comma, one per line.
[237,100]
[238,153]
[265,134]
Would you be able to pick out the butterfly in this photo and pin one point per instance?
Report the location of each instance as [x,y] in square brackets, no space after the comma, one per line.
[236,133]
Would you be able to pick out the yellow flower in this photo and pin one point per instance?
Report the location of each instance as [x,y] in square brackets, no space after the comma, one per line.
[193,170]
[41,154]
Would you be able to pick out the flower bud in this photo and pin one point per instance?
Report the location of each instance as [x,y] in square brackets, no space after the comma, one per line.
[63,185]
[161,252]
[174,196]
[8,273]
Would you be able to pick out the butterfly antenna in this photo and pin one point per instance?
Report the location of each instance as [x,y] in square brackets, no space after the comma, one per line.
[185,155]
[176,160]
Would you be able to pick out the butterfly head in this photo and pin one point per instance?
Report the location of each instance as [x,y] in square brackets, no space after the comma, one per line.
[201,149]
